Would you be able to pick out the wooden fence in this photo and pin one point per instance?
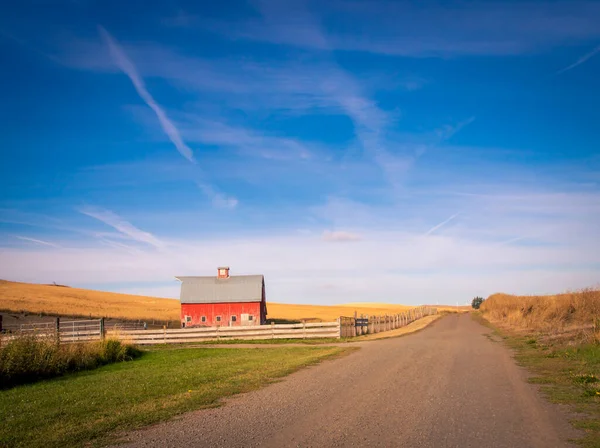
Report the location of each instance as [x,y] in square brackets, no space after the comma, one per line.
[359,325]
[63,331]
[345,327]
[201,334]
[81,330]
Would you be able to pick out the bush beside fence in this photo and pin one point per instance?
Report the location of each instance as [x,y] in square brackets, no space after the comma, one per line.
[26,358]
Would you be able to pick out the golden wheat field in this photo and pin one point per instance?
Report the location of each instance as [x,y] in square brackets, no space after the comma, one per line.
[329,313]
[58,300]
[66,301]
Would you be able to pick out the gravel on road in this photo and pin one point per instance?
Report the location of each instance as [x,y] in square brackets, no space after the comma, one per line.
[446,386]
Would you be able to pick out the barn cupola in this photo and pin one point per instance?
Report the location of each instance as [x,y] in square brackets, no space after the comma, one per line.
[223,272]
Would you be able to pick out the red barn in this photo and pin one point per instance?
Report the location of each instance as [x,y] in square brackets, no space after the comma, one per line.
[223,300]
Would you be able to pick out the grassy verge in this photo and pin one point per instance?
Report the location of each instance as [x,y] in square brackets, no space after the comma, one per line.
[92,406]
[316,341]
[567,373]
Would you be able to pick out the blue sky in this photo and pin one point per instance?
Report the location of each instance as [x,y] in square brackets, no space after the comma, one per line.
[350,151]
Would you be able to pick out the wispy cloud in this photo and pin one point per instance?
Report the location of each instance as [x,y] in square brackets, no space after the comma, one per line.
[447,131]
[340,236]
[218,199]
[42,242]
[245,141]
[581,60]
[512,240]
[122,226]
[121,59]
[441,224]
[125,247]
[421,29]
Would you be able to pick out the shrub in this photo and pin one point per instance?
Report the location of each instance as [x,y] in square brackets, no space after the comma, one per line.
[476,303]
[30,358]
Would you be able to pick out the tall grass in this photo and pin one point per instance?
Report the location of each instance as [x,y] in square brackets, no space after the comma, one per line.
[548,314]
[30,358]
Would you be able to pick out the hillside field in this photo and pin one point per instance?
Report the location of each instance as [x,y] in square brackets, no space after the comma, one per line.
[65,301]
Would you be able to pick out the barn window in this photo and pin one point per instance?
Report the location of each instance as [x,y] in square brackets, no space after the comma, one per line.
[250,317]
[203,318]
[233,318]
[188,318]
[218,318]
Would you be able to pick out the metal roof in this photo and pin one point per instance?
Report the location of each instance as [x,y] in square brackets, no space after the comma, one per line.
[237,288]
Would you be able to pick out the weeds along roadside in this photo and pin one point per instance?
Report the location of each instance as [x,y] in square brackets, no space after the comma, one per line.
[572,315]
[565,365]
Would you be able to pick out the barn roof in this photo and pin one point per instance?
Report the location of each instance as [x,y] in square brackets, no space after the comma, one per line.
[237,288]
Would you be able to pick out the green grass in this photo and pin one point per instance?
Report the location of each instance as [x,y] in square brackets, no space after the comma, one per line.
[314,341]
[92,406]
[566,374]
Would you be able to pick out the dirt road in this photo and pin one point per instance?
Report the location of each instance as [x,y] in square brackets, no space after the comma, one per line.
[447,386]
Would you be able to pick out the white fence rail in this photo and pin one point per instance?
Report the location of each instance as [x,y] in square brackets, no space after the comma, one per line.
[81,330]
[346,327]
[63,331]
[359,325]
[201,334]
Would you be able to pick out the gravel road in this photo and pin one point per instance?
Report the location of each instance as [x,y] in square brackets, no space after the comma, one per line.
[446,386]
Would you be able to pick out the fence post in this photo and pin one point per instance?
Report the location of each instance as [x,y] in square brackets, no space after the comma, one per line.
[164,334]
[272,330]
[303,329]
[58,330]
[101,328]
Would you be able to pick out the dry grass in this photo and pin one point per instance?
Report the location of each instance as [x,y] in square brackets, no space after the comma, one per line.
[574,312]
